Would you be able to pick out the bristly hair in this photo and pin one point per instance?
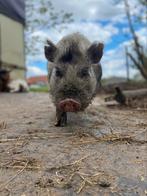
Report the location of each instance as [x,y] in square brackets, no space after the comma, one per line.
[70,54]
[67,57]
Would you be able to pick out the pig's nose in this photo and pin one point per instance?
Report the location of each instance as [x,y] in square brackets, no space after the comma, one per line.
[69,105]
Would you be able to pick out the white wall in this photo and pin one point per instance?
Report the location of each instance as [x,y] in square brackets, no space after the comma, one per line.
[12,43]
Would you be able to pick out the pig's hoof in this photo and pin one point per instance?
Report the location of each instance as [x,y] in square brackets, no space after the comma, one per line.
[59,124]
[62,121]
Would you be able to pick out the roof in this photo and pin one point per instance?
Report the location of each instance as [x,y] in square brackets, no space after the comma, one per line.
[37,79]
[14,9]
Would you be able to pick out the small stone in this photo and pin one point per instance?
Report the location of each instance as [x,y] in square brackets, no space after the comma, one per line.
[104,183]
[50,181]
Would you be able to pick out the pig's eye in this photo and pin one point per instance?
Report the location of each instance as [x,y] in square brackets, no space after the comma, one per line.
[58,73]
[84,72]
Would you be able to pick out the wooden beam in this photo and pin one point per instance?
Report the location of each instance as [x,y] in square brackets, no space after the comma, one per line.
[122,97]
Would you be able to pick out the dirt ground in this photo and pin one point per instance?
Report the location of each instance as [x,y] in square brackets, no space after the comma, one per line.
[102,151]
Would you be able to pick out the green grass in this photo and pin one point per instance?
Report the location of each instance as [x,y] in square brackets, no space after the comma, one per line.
[43,89]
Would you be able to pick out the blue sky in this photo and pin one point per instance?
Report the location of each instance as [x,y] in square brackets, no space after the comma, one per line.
[98,20]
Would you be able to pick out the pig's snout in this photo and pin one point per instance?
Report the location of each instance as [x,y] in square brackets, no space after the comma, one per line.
[69,105]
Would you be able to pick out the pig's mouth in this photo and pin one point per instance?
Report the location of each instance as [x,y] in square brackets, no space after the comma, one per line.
[69,105]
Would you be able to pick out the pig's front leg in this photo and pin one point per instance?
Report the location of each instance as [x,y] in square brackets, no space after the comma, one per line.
[61,118]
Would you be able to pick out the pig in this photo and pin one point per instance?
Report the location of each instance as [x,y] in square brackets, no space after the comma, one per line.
[74,73]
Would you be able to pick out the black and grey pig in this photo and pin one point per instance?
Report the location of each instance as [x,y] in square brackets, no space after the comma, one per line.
[74,73]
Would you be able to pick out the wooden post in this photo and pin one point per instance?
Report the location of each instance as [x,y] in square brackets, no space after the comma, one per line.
[127,64]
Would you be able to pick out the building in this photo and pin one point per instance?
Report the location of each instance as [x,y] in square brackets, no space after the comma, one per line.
[12,52]
[37,81]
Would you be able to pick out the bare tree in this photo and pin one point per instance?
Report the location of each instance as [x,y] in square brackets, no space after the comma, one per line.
[139,56]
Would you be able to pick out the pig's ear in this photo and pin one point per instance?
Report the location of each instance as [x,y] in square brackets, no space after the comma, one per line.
[95,52]
[49,50]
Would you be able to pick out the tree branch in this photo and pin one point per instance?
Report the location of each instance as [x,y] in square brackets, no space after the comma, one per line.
[135,38]
[143,72]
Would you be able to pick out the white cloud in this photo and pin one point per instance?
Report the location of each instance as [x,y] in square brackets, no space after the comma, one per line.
[114,61]
[142,35]
[40,34]
[91,9]
[93,31]
[97,9]
[34,70]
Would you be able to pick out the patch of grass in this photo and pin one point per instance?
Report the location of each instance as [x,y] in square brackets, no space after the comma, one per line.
[42,89]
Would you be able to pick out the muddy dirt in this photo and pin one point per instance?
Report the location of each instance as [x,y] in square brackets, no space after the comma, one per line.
[102,151]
